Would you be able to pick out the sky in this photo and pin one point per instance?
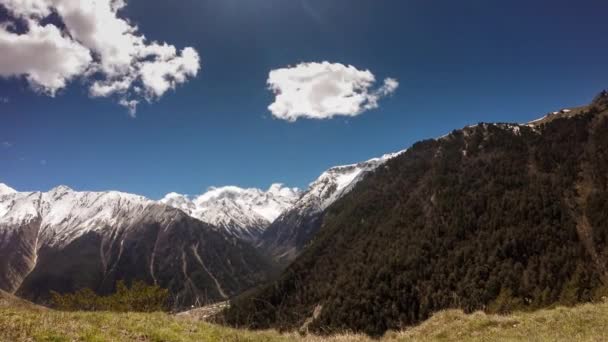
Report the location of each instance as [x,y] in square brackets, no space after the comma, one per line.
[178,96]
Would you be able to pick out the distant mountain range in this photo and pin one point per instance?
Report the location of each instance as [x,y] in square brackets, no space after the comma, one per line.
[243,213]
[64,240]
[203,248]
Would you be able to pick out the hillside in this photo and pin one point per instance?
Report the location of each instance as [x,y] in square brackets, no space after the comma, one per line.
[494,217]
[581,323]
[9,300]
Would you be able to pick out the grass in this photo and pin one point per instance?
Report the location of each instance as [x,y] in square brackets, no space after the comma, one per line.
[28,325]
[587,322]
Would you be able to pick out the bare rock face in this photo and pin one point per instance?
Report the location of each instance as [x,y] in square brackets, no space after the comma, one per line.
[64,240]
[18,254]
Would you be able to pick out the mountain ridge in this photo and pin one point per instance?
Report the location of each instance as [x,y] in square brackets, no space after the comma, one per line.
[244,213]
[285,238]
[64,240]
[494,217]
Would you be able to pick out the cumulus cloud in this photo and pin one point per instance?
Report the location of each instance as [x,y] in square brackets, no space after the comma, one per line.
[44,55]
[324,90]
[91,41]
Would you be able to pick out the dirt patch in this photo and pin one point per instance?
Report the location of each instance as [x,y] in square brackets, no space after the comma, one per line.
[204,313]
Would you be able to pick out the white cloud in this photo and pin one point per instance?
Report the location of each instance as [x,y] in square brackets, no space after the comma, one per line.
[324,90]
[47,58]
[389,87]
[131,105]
[96,44]
[160,76]
[7,144]
[4,100]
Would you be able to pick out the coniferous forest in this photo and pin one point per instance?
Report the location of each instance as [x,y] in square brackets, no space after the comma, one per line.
[492,217]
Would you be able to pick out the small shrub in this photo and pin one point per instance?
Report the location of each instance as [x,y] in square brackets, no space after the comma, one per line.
[140,297]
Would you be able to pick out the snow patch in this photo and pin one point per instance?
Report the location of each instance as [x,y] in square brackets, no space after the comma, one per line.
[66,214]
[335,183]
[5,189]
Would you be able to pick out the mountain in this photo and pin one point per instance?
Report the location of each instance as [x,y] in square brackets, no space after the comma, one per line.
[243,213]
[6,190]
[494,217]
[64,240]
[285,238]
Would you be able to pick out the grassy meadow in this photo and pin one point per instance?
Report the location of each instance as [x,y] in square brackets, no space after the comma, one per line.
[22,322]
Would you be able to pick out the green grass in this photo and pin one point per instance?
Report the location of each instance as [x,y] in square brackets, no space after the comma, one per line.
[18,324]
[587,322]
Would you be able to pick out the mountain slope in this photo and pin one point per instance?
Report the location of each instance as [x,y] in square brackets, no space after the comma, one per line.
[243,213]
[494,216]
[64,240]
[289,233]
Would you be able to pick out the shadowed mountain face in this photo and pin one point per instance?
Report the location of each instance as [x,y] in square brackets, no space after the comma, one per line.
[494,216]
[65,240]
[287,236]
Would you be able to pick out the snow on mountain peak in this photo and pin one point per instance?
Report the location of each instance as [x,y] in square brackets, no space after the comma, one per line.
[290,232]
[278,189]
[5,189]
[242,212]
[61,189]
[336,182]
[65,214]
[245,213]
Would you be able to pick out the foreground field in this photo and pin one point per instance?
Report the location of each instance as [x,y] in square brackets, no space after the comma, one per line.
[20,322]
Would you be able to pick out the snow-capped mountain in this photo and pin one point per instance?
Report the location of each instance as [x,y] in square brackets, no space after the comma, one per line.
[64,214]
[335,183]
[5,189]
[64,240]
[244,213]
[286,236]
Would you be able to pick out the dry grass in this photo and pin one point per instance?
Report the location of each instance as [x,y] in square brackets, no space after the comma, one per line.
[587,322]
[8,300]
[24,323]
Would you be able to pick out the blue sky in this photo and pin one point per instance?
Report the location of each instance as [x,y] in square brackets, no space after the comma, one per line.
[457,63]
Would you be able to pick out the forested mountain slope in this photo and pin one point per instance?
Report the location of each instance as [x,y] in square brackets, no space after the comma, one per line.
[285,238]
[493,216]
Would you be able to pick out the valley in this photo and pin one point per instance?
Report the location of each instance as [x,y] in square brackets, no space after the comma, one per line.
[500,218]
[307,171]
